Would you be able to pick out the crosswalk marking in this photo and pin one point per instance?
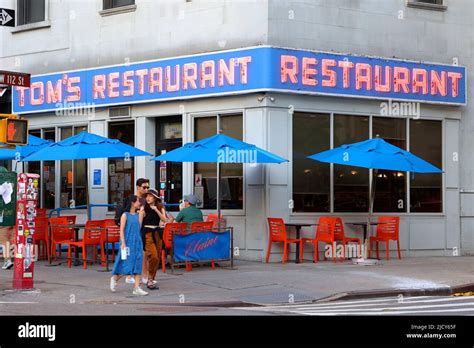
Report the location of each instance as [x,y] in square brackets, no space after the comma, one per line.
[395,312]
[386,306]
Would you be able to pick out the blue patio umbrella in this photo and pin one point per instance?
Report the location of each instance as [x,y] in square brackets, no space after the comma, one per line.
[19,152]
[83,146]
[220,148]
[375,154]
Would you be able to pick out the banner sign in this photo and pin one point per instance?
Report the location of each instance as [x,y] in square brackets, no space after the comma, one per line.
[8,184]
[248,70]
[201,246]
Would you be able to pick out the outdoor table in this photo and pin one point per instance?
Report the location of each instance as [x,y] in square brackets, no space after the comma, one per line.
[297,226]
[364,225]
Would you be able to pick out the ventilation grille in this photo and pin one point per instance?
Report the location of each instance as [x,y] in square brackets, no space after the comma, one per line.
[119,112]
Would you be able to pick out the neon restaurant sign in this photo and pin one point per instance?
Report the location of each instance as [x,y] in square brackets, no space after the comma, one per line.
[256,69]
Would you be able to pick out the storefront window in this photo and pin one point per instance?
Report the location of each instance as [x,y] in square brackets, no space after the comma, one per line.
[426,189]
[311,179]
[390,186]
[169,174]
[231,174]
[49,173]
[73,175]
[351,184]
[121,172]
[35,167]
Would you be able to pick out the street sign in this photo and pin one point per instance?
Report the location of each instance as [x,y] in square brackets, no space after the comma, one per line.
[12,78]
[7,17]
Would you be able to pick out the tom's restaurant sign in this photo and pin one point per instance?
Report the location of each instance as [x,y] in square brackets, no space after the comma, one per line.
[240,71]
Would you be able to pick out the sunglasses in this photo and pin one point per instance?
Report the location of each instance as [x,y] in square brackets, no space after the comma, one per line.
[145,187]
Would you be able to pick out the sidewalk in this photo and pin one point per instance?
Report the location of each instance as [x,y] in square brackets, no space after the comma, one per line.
[250,283]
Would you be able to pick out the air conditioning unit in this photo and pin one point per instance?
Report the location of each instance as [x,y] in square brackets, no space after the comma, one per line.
[120,112]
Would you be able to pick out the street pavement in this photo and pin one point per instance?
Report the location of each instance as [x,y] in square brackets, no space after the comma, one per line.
[417,305]
[225,291]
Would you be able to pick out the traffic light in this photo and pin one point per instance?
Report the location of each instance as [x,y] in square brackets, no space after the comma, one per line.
[13,131]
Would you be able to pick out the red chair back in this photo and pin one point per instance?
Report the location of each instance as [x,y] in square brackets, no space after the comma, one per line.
[277,229]
[339,229]
[41,228]
[213,218]
[71,219]
[201,226]
[326,228]
[113,231]
[58,231]
[170,228]
[93,232]
[390,227]
[41,212]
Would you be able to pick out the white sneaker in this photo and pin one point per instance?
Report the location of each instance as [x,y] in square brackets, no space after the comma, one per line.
[144,281]
[113,284]
[139,292]
[8,264]
[130,280]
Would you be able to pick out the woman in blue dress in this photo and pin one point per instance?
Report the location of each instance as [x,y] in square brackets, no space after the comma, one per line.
[131,240]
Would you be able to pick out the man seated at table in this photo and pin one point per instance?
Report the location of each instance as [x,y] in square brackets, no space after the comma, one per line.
[189,213]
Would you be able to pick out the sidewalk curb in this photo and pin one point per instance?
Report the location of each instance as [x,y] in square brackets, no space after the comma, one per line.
[357,295]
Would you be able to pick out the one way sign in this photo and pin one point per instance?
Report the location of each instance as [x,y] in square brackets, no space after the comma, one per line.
[7,17]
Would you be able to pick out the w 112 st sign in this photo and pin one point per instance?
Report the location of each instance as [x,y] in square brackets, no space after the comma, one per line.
[7,17]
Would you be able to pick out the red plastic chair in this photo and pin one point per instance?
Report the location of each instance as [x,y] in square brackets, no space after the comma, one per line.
[42,236]
[201,226]
[340,237]
[386,231]
[324,233]
[41,212]
[113,236]
[60,234]
[277,234]
[170,229]
[213,218]
[92,236]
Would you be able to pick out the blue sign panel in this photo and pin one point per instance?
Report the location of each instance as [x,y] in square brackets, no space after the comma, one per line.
[97,177]
[244,71]
[201,246]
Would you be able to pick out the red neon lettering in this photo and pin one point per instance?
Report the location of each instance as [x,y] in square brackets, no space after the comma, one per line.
[75,91]
[189,75]
[40,87]
[346,67]
[309,72]
[127,82]
[420,81]
[401,79]
[155,80]
[172,87]
[208,73]
[326,64]
[227,72]
[21,95]
[455,77]
[289,69]
[243,62]
[363,76]
[439,83]
[98,86]
[141,80]
[112,84]
[379,86]
[54,94]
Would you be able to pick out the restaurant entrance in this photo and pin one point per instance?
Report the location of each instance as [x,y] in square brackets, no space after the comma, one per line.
[169,174]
